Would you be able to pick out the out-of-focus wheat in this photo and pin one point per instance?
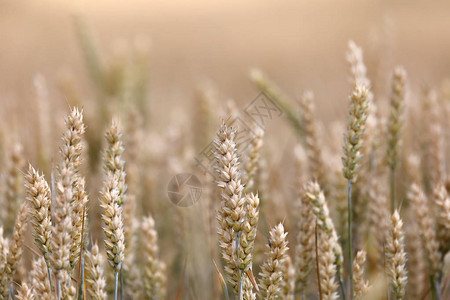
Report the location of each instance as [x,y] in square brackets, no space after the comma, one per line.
[360,284]
[15,250]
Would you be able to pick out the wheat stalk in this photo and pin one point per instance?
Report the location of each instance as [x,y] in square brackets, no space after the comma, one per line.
[353,141]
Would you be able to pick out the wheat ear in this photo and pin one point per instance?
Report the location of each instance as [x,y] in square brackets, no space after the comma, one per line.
[39,279]
[113,160]
[353,141]
[288,283]
[151,282]
[313,149]
[396,258]
[427,233]
[442,205]
[13,186]
[395,124]
[304,251]
[25,292]
[254,155]
[95,281]
[416,264]
[113,226]
[316,198]
[231,214]
[360,284]
[61,230]
[378,212]
[15,250]
[271,271]
[39,197]
[326,265]
[3,255]
[71,152]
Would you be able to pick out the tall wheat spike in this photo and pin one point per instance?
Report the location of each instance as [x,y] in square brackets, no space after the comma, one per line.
[395,127]
[13,185]
[304,252]
[427,233]
[39,197]
[231,214]
[313,147]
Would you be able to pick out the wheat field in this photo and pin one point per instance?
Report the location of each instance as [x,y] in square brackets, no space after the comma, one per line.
[254,150]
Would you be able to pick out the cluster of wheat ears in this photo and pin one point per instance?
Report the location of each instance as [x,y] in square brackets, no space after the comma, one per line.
[365,228]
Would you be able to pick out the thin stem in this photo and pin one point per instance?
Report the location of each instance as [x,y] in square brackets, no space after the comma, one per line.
[122,290]
[317,262]
[392,189]
[435,291]
[49,270]
[116,283]
[341,285]
[240,286]
[11,291]
[82,278]
[349,217]
[58,289]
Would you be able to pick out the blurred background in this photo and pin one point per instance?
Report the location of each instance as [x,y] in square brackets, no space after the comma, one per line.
[300,44]
[155,62]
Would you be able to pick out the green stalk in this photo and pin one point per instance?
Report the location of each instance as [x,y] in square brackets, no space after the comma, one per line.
[435,291]
[349,221]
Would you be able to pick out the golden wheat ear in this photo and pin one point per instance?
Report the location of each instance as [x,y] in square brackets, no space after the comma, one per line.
[271,275]
[360,284]
[112,197]
[25,292]
[231,214]
[39,279]
[95,280]
[396,257]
